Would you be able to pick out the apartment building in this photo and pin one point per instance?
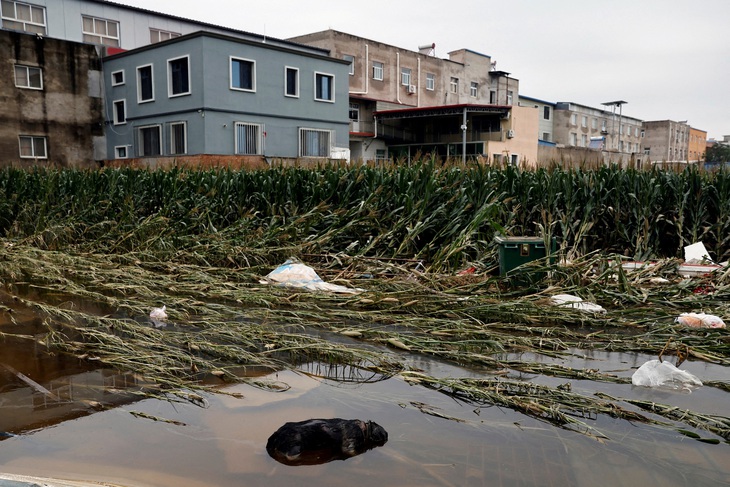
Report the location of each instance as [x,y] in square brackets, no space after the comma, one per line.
[577,125]
[208,93]
[403,102]
[670,141]
[273,97]
[546,111]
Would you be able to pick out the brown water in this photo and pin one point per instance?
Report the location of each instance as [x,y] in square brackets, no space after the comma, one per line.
[57,430]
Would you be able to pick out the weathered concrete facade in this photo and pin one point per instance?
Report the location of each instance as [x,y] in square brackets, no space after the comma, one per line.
[385,79]
[670,141]
[50,102]
[578,125]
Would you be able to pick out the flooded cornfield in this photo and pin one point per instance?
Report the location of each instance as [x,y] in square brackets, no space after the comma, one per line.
[511,402]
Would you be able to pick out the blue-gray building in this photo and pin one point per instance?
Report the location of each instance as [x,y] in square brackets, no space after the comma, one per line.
[210,93]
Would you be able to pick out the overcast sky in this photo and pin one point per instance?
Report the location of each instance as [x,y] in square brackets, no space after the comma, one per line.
[668,59]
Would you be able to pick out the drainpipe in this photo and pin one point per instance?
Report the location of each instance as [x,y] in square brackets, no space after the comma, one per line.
[365,73]
[397,78]
[463,139]
[418,96]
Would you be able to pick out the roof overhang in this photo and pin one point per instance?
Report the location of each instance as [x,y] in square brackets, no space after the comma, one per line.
[442,111]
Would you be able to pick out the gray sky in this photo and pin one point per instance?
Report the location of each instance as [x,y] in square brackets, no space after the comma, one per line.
[669,59]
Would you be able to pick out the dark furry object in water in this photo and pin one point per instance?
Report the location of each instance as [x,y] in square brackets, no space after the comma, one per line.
[318,441]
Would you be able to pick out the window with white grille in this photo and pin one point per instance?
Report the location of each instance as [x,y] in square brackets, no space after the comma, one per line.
[32,147]
[157,35]
[248,139]
[314,143]
[28,77]
[23,16]
[100,31]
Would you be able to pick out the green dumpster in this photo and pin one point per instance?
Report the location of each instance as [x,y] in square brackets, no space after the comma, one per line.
[516,251]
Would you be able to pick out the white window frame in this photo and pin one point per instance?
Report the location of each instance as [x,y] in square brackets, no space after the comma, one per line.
[286,81]
[253,74]
[378,70]
[28,69]
[105,36]
[405,76]
[574,119]
[31,26]
[454,85]
[430,81]
[171,127]
[258,133]
[303,131]
[114,80]
[584,121]
[474,89]
[139,83]
[115,118]
[332,86]
[351,58]
[118,152]
[33,139]
[510,97]
[140,145]
[170,94]
[354,107]
[160,35]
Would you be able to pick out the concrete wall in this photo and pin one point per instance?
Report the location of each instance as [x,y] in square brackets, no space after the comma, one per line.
[545,127]
[212,108]
[697,145]
[575,124]
[67,111]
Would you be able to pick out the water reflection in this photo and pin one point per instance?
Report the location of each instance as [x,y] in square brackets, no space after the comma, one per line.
[318,441]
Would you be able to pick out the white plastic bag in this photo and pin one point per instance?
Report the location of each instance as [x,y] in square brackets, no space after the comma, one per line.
[293,273]
[575,302]
[663,374]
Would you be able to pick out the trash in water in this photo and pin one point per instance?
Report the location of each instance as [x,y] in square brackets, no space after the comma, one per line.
[570,301]
[159,316]
[317,441]
[700,320]
[293,273]
[655,373]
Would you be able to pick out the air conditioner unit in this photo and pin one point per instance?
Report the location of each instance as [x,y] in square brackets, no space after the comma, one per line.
[411,89]
[510,134]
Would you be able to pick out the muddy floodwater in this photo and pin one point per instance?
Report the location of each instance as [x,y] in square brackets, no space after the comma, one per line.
[51,427]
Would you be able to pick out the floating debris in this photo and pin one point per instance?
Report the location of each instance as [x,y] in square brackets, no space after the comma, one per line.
[656,373]
[700,320]
[293,273]
[570,301]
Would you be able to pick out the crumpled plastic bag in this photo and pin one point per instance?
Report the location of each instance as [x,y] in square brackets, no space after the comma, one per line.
[575,302]
[700,320]
[663,374]
[293,273]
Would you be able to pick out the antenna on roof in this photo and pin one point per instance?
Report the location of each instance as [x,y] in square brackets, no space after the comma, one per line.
[264,34]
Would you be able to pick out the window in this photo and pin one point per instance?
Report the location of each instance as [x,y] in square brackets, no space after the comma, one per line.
[324,85]
[510,95]
[145,87]
[28,77]
[354,112]
[120,112]
[24,17]
[347,57]
[584,121]
[474,89]
[454,85]
[584,140]
[291,82]
[381,155]
[120,152]
[405,76]
[149,140]
[100,31]
[546,113]
[248,138]
[636,131]
[430,81]
[573,139]
[573,119]
[603,126]
[546,136]
[594,124]
[642,132]
[314,143]
[178,138]
[118,78]
[32,147]
[492,97]
[178,76]
[377,70]
[243,74]
[647,151]
[157,35]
